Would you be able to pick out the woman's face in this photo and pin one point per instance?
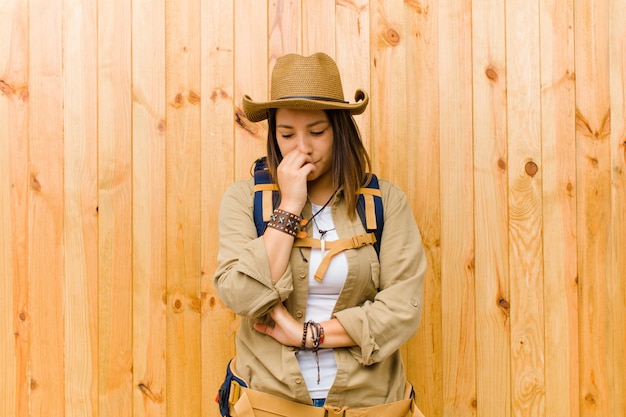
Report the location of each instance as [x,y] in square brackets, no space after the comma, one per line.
[308,132]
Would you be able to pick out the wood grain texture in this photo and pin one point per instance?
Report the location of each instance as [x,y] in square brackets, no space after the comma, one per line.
[388,79]
[46,262]
[559,208]
[251,71]
[182,161]
[121,127]
[352,31]
[457,200]
[593,205]
[285,32]
[318,27]
[525,209]
[493,298]
[218,161]
[80,134]
[147,158]
[617,234]
[115,275]
[424,352]
[14,192]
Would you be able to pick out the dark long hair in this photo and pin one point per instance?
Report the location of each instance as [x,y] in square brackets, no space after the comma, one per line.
[351,162]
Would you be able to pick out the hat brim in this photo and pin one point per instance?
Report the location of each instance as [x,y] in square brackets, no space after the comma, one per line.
[257,111]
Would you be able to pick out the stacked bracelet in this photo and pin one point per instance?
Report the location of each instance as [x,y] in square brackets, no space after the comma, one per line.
[285,222]
[304,331]
[317,336]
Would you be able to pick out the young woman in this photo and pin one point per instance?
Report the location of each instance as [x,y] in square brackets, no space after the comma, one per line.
[324,313]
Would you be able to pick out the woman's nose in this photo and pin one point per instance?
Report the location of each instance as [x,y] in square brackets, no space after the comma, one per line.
[303,144]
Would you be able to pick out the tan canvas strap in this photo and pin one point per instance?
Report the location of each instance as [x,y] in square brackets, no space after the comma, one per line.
[334,247]
[268,204]
[370,210]
[251,403]
[368,195]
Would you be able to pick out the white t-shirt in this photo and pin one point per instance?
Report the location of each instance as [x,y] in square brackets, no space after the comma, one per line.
[320,303]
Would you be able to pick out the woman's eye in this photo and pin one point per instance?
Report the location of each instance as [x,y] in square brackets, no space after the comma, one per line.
[286,135]
[318,133]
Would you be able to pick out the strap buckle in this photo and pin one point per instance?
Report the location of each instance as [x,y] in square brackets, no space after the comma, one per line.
[363,240]
[332,411]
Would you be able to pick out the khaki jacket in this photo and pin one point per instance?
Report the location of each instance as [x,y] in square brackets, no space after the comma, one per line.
[380,304]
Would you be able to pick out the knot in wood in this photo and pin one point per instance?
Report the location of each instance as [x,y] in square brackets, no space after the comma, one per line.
[177,305]
[491,74]
[35,184]
[178,101]
[193,98]
[6,88]
[392,36]
[531,168]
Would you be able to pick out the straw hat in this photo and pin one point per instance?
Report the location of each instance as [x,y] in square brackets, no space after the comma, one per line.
[305,83]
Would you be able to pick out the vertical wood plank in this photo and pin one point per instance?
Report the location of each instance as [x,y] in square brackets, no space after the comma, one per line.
[80,57]
[617,234]
[457,228]
[148,129]
[14,182]
[493,350]
[352,32]
[45,232]
[218,148]
[252,78]
[318,27]
[388,77]
[593,204]
[424,358]
[525,208]
[114,209]
[285,34]
[559,207]
[182,158]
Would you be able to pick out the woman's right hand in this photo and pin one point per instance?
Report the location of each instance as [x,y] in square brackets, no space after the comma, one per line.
[292,174]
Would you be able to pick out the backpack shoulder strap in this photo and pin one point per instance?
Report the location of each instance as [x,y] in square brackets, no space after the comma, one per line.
[266,195]
[370,208]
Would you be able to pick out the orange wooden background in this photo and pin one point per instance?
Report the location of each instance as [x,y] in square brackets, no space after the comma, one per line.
[121,126]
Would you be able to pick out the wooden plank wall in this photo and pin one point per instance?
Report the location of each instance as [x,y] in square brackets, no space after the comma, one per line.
[121,126]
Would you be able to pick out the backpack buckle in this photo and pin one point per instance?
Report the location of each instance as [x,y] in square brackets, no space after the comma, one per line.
[362,240]
[332,411]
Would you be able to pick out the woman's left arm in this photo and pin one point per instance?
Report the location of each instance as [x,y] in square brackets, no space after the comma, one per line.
[288,331]
[381,326]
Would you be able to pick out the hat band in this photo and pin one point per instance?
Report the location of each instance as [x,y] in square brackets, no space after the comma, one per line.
[317,98]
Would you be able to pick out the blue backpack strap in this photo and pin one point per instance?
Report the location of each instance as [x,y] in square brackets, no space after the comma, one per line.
[266,195]
[370,209]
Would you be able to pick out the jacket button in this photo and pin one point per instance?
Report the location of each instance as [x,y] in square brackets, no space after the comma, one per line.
[299,314]
[302,275]
[298,380]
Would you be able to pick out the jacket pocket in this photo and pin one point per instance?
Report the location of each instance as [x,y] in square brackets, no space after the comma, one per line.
[375,274]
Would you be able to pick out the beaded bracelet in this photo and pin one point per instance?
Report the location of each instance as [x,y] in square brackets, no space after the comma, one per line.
[304,331]
[285,222]
[317,335]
